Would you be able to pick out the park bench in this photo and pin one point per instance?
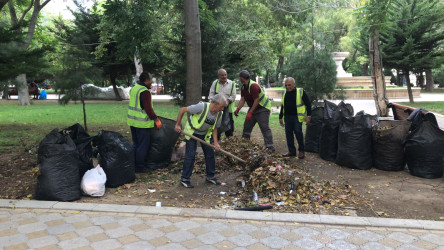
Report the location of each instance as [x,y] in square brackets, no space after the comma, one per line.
[402,112]
[31,91]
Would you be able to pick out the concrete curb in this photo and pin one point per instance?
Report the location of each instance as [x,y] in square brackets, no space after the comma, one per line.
[227,214]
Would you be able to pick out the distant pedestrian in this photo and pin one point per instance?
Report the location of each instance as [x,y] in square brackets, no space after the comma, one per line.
[295,109]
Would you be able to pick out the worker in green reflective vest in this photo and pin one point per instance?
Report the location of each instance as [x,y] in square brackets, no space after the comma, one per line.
[142,119]
[295,109]
[203,120]
[259,111]
[226,87]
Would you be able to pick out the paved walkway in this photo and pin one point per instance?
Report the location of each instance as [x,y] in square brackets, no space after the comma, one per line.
[64,225]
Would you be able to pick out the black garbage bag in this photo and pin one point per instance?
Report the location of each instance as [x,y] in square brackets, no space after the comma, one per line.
[162,145]
[59,161]
[355,142]
[83,143]
[418,116]
[225,124]
[116,157]
[388,150]
[313,130]
[328,141]
[423,149]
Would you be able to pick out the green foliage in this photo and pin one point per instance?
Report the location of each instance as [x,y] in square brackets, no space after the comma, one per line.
[413,42]
[316,73]
[438,76]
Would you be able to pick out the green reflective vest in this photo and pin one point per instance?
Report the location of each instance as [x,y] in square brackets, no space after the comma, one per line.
[231,107]
[137,117]
[195,122]
[263,99]
[300,106]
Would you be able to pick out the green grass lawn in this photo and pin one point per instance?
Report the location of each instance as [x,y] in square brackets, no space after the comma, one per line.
[435,107]
[18,124]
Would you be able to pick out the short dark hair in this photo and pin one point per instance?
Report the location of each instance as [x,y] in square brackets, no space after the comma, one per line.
[144,76]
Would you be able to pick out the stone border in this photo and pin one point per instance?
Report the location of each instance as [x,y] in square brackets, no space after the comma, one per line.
[228,214]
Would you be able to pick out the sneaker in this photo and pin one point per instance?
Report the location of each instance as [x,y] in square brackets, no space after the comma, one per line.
[214,180]
[186,184]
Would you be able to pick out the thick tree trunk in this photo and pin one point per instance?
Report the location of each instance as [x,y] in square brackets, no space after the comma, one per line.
[194,53]
[378,82]
[429,80]
[409,87]
[22,89]
[279,67]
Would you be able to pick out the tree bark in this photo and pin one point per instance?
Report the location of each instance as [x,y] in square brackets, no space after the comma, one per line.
[429,80]
[378,82]
[22,89]
[193,88]
[409,87]
[279,67]
[365,69]
[113,83]
[139,67]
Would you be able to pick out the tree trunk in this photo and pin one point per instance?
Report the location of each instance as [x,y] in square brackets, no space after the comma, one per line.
[194,53]
[113,83]
[378,82]
[22,88]
[409,87]
[279,67]
[398,78]
[139,67]
[365,69]
[82,98]
[429,80]
[267,78]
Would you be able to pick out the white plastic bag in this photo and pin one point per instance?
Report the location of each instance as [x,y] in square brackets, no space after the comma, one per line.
[93,182]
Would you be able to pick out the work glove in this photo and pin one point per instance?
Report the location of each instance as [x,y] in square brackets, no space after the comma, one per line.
[158,123]
[236,111]
[248,117]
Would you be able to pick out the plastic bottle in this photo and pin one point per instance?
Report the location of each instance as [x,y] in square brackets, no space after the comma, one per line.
[255,197]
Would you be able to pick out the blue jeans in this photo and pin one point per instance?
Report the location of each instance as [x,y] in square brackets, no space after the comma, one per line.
[141,145]
[293,126]
[190,155]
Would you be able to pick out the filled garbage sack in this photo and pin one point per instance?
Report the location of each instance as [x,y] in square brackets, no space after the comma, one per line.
[93,182]
[423,149]
[83,144]
[418,116]
[328,141]
[116,157]
[313,129]
[162,145]
[388,150]
[59,163]
[355,142]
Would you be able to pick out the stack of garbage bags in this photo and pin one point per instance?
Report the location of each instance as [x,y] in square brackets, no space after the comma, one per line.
[363,141]
[65,156]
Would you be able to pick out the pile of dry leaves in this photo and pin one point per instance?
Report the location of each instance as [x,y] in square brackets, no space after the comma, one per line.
[280,182]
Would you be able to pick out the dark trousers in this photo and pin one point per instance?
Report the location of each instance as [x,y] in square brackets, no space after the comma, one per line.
[141,144]
[229,132]
[293,127]
[190,155]
[260,116]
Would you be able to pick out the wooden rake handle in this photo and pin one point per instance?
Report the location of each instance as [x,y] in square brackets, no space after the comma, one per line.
[208,144]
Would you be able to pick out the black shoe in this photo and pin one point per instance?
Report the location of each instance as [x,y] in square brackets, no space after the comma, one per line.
[214,180]
[186,184]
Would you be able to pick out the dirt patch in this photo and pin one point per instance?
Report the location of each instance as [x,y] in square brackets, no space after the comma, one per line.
[390,194]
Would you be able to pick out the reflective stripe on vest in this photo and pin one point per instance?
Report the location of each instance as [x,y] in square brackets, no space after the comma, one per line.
[231,107]
[195,122]
[300,106]
[137,116]
[263,99]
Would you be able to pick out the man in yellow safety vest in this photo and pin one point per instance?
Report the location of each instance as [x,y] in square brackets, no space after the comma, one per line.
[295,109]
[203,121]
[141,118]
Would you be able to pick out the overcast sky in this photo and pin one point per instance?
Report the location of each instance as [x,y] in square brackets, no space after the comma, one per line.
[60,7]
